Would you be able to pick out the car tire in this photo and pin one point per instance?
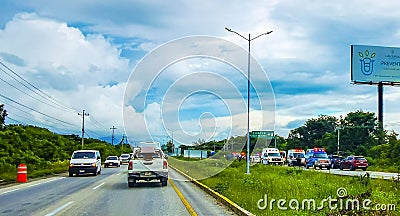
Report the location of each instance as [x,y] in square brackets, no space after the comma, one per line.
[307,167]
[364,169]
[352,168]
[328,168]
[70,174]
[131,184]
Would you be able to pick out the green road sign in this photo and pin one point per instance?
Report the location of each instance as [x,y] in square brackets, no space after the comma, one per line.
[262,134]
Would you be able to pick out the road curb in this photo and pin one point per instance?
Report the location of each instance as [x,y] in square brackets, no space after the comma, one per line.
[233,206]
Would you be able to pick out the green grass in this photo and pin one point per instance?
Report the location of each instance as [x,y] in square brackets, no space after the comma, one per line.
[292,183]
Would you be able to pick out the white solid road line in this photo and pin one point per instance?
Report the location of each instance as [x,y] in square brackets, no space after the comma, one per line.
[46,182]
[5,192]
[98,186]
[30,185]
[60,208]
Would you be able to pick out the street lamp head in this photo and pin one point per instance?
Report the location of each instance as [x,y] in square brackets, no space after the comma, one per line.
[269,32]
[228,29]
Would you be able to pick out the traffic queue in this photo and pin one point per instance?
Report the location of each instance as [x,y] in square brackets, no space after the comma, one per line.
[316,158]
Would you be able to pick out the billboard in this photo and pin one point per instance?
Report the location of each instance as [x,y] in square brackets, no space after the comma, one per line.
[374,64]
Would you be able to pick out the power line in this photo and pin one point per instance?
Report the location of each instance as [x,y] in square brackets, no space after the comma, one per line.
[14,120]
[1,95]
[29,94]
[35,89]
[29,120]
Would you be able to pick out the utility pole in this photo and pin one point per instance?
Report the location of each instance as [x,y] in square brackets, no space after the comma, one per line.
[173,146]
[112,137]
[338,139]
[83,124]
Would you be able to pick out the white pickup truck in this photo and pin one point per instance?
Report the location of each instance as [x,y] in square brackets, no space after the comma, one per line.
[148,163]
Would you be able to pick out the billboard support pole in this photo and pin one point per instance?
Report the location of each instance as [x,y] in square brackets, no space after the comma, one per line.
[380,104]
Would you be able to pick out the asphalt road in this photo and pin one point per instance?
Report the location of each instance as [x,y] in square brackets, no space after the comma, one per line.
[373,174]
[105,194]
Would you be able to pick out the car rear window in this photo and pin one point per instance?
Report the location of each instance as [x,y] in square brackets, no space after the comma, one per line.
[359,158]
[112,158]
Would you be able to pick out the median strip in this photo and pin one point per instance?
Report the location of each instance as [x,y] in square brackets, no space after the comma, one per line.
[184,201]
[233,206]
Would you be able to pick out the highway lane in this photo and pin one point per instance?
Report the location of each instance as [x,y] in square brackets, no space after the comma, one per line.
[105,194]
[358,172]
[147,198]
[202,203]
[373,174]
[27,198]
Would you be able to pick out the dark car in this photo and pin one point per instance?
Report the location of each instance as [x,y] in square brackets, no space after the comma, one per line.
[335,161]
[354,162]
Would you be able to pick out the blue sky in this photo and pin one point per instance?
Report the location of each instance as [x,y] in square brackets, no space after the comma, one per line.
[82,54]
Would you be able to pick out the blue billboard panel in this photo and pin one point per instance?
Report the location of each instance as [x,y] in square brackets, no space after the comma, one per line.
[375,64]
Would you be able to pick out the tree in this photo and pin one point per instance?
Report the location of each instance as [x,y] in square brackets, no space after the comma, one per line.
[3,114]
[170,146]
[311,134]
[359,132]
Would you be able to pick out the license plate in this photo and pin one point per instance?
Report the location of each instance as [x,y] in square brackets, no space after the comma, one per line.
[81,171]
[111,164]
[147,173]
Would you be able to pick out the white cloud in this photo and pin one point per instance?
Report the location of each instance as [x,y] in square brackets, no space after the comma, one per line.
[306,57]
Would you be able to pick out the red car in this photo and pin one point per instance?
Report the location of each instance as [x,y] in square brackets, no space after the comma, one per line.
[354,162]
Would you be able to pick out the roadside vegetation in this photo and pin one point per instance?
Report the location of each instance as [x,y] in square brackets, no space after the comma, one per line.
[357,133]
[277,182]
[44,152]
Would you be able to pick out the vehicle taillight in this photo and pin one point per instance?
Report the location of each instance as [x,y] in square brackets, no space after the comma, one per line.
[165,165]
[130,166]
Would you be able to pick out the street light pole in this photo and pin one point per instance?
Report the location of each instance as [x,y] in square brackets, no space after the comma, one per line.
[249,39]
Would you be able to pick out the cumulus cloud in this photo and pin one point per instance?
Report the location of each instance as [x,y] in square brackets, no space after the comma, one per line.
[73,51]
[81,72]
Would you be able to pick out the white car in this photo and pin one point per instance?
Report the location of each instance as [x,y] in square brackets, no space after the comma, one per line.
[124,158]
[255,159]
[148,164]
[112,161]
